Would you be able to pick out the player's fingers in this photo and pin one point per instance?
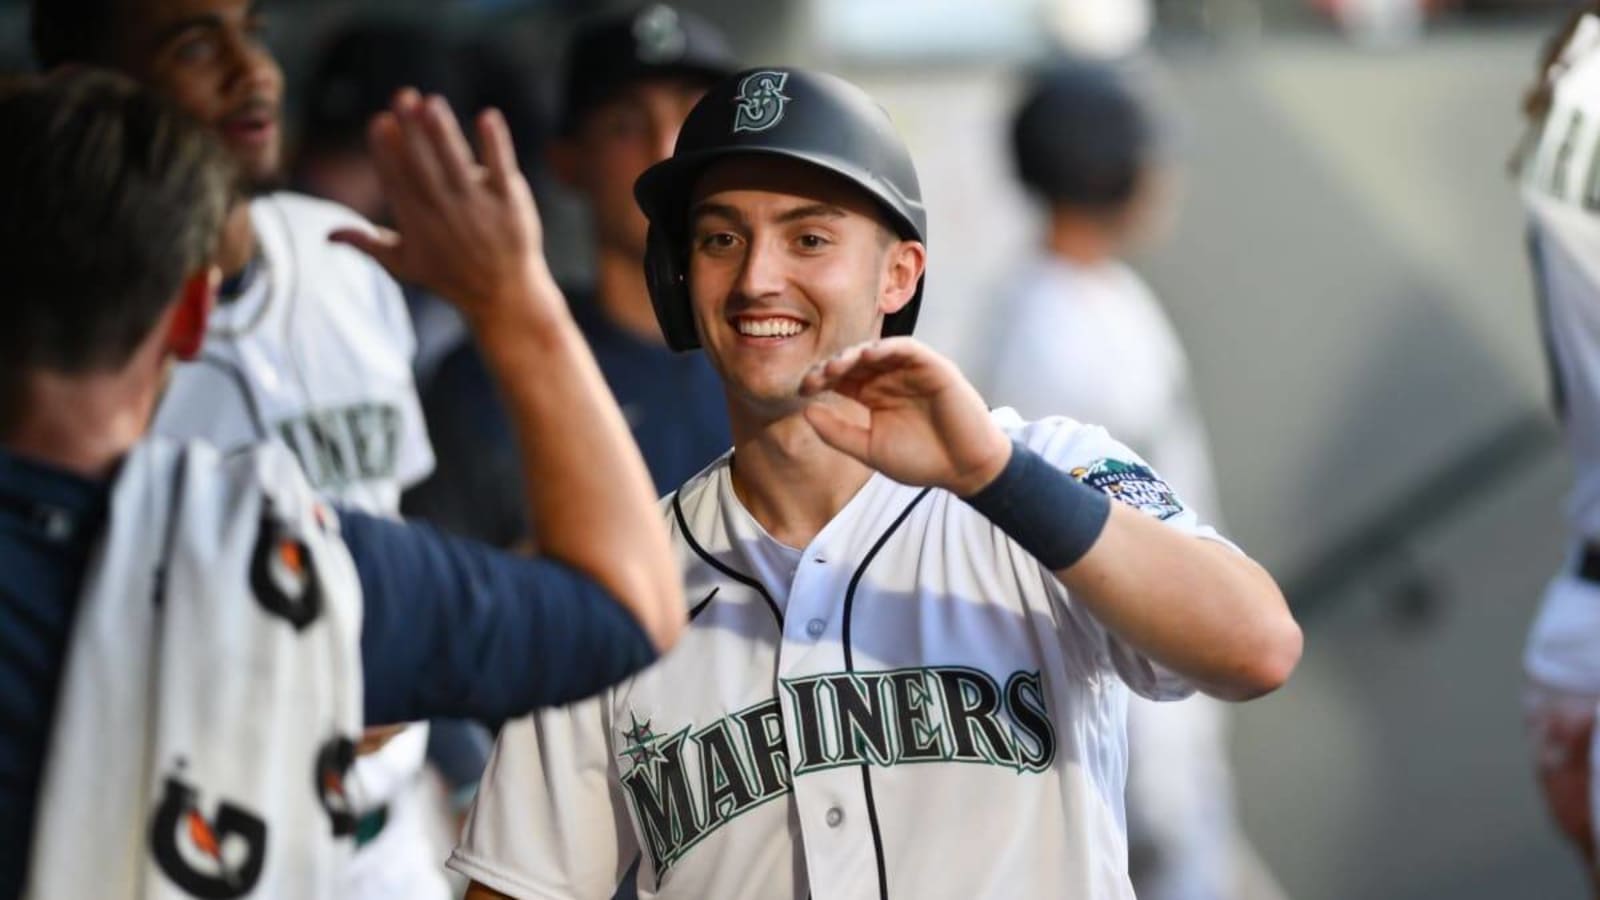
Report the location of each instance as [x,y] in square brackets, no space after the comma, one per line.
[826,374]
[384,143]
[499,154]
[838,430]
[449,144]
[381,244]
[420,160]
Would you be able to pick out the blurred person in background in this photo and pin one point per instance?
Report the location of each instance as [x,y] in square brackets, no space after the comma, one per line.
[1081,334]
[629,81]
[1562,657]
[353,77]
[310,344]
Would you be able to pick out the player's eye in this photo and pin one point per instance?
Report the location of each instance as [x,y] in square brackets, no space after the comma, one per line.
[811,241]
[196,49]
[717,241]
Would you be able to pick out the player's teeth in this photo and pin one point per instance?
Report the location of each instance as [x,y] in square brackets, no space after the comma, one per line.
[769,327]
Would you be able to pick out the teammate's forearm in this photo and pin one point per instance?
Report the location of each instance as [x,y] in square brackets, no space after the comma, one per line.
[1192,605]
[590,499]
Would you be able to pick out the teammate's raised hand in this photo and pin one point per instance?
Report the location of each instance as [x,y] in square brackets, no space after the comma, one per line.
[467,231]
[909,413]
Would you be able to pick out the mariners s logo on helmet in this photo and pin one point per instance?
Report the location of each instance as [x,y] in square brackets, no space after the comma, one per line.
[216,859]
[760,102]
[658,36]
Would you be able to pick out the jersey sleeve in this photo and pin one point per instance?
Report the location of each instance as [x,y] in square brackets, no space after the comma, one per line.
[1093,457]
[549,821]
[453,628]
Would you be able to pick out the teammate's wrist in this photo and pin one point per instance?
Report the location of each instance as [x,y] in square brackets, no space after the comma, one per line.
[1050,514]
[529,300]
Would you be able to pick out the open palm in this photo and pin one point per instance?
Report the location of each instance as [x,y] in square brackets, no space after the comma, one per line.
[907,412]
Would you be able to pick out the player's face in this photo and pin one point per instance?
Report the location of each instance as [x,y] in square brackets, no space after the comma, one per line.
[616,142]
[787,266]
[208,56]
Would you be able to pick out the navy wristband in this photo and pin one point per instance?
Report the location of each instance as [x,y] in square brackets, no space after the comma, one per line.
[1049,513]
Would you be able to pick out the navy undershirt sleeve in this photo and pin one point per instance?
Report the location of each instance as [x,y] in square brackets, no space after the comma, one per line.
[454,628]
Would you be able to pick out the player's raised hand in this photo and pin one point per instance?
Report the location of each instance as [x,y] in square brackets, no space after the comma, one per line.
[467,231]
[907,412]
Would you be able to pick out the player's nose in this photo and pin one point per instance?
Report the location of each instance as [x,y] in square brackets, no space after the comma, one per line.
[761,272]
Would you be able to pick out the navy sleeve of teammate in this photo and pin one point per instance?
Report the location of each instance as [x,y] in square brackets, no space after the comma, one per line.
[453,628]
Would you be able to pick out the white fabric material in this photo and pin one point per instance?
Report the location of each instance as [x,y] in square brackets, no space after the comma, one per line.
[317,354]
[1092,342]
[180,678]
[1561,193]
[1022,797]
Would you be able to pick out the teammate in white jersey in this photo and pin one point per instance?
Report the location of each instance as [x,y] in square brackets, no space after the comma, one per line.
[1562,197]
[310,344]
[1080,333]
[914,624]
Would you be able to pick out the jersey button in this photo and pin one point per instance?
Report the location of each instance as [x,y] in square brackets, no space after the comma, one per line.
[815,627]
[835,816]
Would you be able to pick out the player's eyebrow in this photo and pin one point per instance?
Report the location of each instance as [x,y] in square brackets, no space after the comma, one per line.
[206,20]
[798,213]
[209,21]
[706,209]
[810,211]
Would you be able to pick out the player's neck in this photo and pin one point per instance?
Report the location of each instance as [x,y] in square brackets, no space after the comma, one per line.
[238,243]
[790,481]
[85,424]
[1080,240]
[623,296]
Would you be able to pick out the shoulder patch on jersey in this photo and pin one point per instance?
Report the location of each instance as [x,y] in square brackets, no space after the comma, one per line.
[1131,483]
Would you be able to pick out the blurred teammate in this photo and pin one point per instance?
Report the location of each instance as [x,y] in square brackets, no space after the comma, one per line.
[1562,658]
[310,345]
[915,624]
[629,81]
[354,76]
[193,639]
[1079,333]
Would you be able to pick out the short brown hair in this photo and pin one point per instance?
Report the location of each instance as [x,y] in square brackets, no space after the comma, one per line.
[115,198]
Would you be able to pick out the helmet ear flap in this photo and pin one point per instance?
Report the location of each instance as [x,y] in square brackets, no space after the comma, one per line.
[665,275]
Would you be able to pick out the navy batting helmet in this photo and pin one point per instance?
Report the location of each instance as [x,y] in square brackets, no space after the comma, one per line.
[812,117]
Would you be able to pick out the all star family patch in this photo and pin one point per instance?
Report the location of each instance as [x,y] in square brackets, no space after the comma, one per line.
[1133,484]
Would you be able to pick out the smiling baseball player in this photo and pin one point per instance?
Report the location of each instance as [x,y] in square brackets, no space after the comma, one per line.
[914,624]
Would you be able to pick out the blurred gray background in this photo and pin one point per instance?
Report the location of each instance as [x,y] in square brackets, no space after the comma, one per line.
[1346,270]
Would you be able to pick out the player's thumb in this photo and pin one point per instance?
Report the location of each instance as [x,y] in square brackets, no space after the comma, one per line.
[837,430]
[381,244]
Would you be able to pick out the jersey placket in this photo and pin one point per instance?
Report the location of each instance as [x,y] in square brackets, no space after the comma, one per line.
[829,801]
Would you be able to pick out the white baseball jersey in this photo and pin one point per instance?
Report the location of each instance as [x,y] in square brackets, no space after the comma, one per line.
[910,706]
[1561,190]
[315,354]
[1092,342]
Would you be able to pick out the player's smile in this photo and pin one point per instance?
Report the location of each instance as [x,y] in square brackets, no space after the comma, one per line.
[759,329]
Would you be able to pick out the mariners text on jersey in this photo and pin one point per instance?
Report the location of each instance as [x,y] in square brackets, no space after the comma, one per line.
[934,714]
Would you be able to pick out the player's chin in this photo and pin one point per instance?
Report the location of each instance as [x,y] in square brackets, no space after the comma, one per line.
[259,171]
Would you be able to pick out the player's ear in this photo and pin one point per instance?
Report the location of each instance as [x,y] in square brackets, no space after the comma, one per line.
[903,264]
[187,330]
